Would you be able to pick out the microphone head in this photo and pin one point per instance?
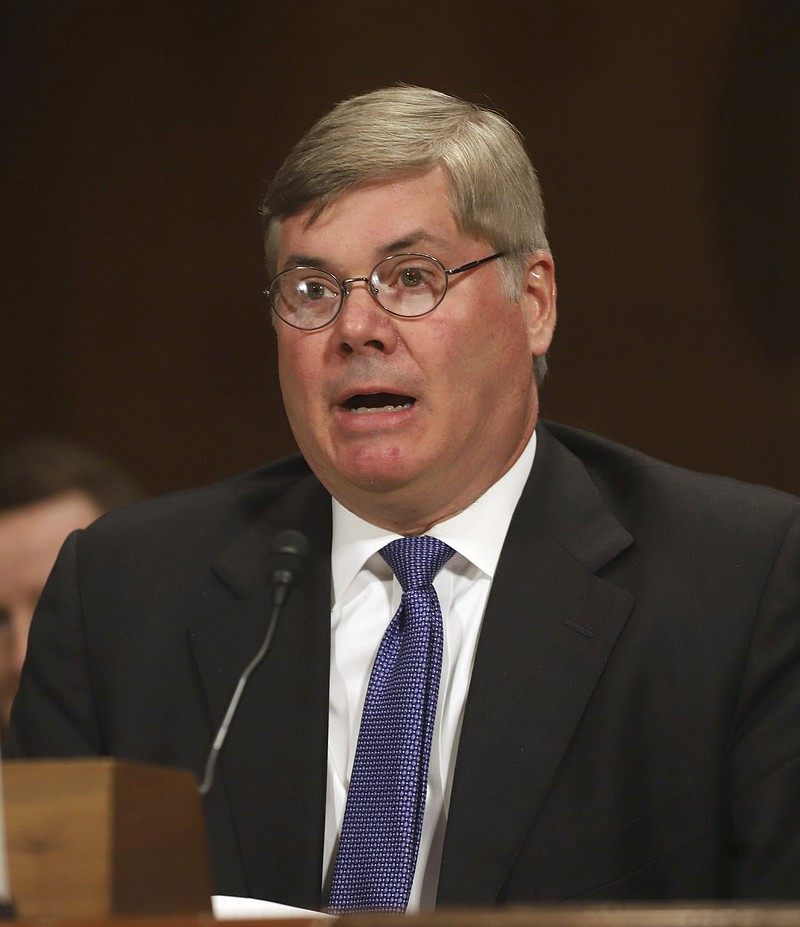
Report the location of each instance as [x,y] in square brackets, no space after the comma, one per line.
[287,557]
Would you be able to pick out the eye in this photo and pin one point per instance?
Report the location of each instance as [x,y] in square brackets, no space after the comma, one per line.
[312,289]
[411,277]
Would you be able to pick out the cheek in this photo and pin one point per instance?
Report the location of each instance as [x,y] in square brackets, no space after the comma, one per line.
[293,371]
[492,353]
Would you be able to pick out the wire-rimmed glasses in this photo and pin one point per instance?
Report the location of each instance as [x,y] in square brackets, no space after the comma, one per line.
[405,285]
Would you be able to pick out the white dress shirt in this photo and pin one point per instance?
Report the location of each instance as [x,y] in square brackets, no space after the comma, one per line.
[365,597]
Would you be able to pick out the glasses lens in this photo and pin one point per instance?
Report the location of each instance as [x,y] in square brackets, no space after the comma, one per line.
[409,284]
[305,297]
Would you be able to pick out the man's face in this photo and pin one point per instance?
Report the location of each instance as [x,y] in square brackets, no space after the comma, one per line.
[30,538]
[408,421]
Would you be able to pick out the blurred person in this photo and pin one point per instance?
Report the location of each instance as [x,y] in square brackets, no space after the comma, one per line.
[48,488]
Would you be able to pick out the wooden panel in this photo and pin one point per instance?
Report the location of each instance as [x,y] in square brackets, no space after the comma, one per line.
[611,915]
[58,850]
[605,915]
[95,838]
[141,135]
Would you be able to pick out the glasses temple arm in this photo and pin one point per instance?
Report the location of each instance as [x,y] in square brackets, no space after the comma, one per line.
[471,264]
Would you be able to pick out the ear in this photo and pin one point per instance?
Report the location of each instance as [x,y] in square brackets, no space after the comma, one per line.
[538,299]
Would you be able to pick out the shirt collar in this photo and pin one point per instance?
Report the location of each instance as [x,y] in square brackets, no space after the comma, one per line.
[477,533]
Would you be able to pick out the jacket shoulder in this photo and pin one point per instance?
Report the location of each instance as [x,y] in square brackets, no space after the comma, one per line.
[632,481]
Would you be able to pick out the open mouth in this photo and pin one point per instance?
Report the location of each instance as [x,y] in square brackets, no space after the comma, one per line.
[378,402]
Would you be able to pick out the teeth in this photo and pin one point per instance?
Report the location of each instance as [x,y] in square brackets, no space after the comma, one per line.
[363,409]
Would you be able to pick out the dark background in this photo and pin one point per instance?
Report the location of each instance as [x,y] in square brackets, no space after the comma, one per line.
[138,138]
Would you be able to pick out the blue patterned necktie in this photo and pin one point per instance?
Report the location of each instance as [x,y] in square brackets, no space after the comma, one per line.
[377,853]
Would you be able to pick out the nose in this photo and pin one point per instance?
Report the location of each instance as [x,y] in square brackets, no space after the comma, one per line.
[363,326]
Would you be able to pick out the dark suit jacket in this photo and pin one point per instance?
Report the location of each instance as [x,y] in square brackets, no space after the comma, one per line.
[633,724]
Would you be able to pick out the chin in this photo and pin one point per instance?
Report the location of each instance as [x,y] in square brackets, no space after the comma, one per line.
[377,480]
[384,480]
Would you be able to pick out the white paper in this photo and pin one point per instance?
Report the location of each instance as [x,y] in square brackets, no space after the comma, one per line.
[234,908]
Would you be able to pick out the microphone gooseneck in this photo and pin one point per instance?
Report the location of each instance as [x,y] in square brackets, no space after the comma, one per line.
[285,565]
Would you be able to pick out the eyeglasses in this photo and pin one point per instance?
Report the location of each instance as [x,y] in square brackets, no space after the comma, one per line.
[405,285]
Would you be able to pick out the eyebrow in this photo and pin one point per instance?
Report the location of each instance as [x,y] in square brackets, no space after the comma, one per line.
[414,239]
[303,260]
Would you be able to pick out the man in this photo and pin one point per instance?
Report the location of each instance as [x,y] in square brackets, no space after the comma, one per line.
[48,488]
[619,694]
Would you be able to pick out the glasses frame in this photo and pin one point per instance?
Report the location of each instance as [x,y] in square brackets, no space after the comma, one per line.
[344,285]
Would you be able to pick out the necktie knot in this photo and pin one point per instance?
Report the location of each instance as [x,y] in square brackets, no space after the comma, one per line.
[415,561]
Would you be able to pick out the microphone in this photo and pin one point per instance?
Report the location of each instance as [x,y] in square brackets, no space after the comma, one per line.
[287,558]
[285,565]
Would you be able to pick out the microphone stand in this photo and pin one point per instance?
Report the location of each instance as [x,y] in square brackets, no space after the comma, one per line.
[222,733]
[288,554]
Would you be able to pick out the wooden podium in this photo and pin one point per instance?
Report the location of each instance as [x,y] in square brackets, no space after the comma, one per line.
[117,843]
[91,838]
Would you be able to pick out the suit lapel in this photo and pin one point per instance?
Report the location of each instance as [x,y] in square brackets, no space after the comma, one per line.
[270,790]
[549,627]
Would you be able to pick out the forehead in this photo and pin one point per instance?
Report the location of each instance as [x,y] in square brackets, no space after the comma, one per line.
[374,219]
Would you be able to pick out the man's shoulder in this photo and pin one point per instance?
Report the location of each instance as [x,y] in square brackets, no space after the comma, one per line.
[631,480]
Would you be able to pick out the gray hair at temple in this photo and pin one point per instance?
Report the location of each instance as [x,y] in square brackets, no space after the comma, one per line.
[404,130]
